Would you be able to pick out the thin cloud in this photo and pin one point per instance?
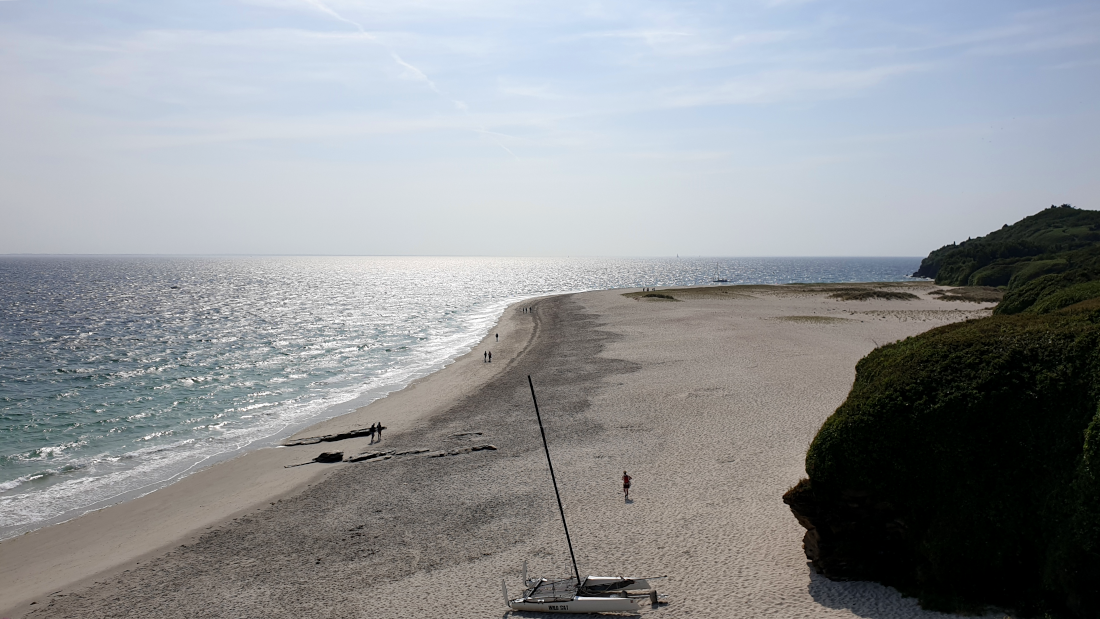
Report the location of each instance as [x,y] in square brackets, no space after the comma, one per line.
[646,35]
[788,85]
[1077,64]
[782,3]
[541,91]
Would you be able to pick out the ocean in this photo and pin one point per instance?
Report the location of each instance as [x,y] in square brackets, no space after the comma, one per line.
[120,375]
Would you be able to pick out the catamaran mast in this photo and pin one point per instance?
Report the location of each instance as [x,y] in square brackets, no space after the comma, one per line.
[554,480]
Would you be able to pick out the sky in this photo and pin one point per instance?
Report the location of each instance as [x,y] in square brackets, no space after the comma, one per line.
[485,127]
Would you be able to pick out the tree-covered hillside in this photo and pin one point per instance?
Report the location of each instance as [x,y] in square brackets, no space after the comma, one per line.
[1046,261]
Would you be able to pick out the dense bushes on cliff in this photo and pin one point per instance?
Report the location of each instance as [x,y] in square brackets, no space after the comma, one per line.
[1033,259]
[1027,248]
[1047,293]
[964,467]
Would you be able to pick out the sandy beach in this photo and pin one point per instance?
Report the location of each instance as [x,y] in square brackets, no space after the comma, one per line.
[709,402]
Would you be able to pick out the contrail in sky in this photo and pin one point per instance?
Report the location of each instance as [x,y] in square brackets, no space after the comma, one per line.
[410,69]
[324,8]
[508,150]
[415,72]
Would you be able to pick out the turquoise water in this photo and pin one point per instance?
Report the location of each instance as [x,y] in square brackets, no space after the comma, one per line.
[121,375]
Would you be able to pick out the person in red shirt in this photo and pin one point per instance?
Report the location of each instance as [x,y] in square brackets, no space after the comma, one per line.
[626,484]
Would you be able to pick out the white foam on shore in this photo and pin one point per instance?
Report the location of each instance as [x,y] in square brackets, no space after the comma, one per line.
[163,437]
[105,480]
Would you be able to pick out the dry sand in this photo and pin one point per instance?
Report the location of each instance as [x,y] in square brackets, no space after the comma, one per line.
[709,403]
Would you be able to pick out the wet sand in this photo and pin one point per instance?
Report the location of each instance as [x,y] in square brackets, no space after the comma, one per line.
[99,545]
[709,403]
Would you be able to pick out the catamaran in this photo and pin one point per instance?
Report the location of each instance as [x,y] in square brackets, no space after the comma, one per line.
[595,594]
[592,594]
[717,277]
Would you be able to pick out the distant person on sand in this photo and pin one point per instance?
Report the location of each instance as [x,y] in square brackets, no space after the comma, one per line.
[379,431]
[484,357]
[490,356]
[626,485]
[498,337]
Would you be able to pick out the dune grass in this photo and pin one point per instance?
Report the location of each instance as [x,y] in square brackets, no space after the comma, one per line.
[970,294]
[863,294]
[813,319]
[875,290]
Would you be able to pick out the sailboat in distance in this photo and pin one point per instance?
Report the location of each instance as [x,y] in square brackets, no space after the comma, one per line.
[592,594]
[718,278]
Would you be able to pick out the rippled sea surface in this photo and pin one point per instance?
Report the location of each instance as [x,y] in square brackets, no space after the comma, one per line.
[121,375]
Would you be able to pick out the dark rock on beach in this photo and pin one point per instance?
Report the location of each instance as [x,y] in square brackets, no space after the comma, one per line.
[329,438]
[371,455]
[463,450]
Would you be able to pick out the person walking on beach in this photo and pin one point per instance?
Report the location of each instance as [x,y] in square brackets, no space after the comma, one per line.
[490,356]
[485,357]
[379,431]
[498,337]
[626,485]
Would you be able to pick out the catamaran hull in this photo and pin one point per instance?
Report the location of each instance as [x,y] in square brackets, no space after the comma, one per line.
[577,605]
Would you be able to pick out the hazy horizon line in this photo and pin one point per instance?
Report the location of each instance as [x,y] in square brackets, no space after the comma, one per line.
[250,255]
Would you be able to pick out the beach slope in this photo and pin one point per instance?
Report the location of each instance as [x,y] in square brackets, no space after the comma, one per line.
[709,401]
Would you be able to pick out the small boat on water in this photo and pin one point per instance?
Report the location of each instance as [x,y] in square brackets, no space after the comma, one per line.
[592,594]
[718,278]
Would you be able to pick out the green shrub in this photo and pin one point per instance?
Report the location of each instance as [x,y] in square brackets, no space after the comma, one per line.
[1038,293]
[1065,297]
[1020,299]
[971,454]
[1028,271]
[992,275]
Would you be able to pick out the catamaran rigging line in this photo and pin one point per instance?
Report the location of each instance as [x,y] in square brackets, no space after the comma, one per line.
[553,479]
[592,594]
